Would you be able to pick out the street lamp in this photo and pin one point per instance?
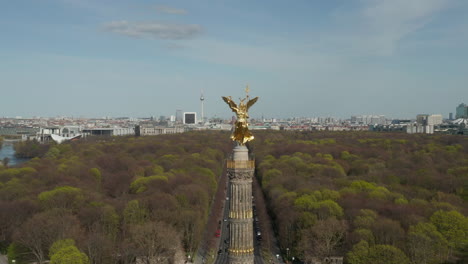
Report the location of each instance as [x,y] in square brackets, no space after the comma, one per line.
[287,253]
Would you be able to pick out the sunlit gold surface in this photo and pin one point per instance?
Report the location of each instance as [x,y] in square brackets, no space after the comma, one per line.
[241,251]
[241,132]
[240,164]
[240,215]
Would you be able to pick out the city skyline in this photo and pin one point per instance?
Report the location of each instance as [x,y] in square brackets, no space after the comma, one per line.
[143,58]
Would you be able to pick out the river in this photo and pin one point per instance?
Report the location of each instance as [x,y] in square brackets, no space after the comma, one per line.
[7,151]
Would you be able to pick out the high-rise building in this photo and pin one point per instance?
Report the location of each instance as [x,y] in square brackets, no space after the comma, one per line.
[462,111]
[190,118]
[179,116]
[450,116]
[424,124]
[429,120]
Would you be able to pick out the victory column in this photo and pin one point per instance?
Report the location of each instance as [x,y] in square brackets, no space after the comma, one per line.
[240,170]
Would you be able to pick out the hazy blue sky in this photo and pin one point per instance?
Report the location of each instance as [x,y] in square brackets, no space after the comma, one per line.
[301,57]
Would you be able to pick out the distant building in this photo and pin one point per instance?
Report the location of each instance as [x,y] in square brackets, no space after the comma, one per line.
[401,121]
[18,131]
[419,129]
[118,131]
[369,120]
[45,133]
[190,118]
[428,120]
[157,130]
[462,111]
[424,124]
[179,118]
[450,116]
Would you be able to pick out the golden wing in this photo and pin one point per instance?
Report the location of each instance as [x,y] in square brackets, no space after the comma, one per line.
[231,103]
[251,102]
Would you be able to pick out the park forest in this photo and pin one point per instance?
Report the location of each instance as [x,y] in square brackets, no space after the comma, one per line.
[369,197]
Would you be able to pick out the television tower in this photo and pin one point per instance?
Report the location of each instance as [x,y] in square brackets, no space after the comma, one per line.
[202,99]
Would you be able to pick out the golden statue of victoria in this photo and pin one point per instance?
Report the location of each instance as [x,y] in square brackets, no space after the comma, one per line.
[241,132]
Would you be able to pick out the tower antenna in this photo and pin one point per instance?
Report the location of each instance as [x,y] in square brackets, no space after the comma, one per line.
[202,99]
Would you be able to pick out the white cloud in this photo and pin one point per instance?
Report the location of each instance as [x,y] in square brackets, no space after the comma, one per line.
[158,30]
[171,10]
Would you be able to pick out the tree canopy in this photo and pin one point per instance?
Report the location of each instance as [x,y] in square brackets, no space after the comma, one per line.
[401,198]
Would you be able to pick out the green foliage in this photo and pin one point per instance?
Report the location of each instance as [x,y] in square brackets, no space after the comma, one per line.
[359,253]
[18,253]
[6,174]
[401,201]
[153,171]
[379,193]
[64,148]
[96,174]
[345,155]
[13,189]
[419,202]
[317,142]
[323,209]
[134,213]
[327,157]
[426,244]
[386,254]
[362,186]
[69,255]
[460,175]
[205,176]
[141,184]
[362,253]
[365,234]
[65,197]
[307,177]
[453,226]
[306,202]
[327,194]
[269,175]
[30,149]
[383,182]
[307,219]
[365,219]
[157,170]
[60,244]
[53,153]
[453,148]
[110,221]
[329,208]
